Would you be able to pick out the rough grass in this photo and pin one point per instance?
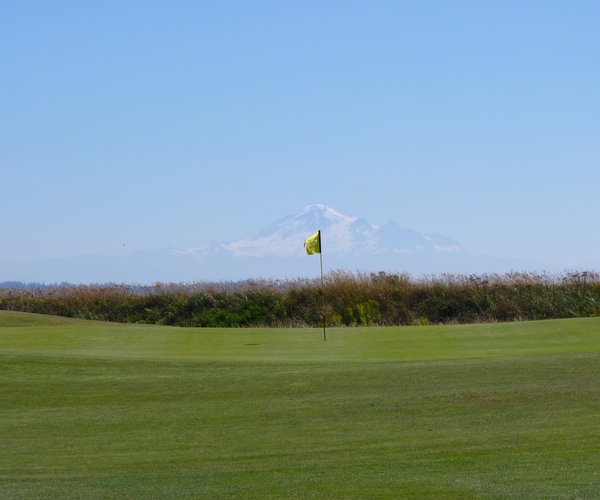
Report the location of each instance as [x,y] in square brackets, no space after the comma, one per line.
[351,299]
[101,410]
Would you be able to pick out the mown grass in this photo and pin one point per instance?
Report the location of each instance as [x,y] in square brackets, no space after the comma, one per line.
[101,410]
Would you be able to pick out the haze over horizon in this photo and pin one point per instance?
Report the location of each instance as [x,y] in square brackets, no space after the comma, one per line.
[134,127]
[349,243]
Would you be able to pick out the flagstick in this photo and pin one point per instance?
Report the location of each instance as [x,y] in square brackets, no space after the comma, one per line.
[322,289]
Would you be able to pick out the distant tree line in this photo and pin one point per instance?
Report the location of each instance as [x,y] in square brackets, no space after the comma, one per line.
[20,285]
[351,299]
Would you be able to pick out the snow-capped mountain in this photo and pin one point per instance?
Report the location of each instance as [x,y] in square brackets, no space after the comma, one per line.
[349,243]
[341,234]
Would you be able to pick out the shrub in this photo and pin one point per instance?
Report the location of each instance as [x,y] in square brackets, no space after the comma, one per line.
[351,299]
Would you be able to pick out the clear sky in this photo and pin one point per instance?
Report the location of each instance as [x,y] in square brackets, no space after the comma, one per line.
[174,123]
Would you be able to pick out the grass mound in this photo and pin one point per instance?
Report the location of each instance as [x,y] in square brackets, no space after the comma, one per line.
[16,319]
[93,409]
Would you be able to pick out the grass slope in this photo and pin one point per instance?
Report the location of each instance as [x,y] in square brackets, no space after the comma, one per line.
[101,410]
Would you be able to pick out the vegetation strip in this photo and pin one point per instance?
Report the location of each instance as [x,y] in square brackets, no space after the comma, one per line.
[351,300]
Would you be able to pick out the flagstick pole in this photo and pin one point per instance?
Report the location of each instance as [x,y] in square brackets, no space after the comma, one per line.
[322,289]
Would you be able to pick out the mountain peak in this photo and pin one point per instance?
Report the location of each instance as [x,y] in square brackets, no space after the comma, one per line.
[341,234]
[326,212]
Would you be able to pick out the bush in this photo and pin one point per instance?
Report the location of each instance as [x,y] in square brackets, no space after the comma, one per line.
[351,299]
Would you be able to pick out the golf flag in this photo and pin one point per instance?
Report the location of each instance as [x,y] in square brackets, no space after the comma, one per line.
[313,243]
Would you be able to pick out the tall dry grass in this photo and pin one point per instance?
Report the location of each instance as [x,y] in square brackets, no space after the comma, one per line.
[351,299]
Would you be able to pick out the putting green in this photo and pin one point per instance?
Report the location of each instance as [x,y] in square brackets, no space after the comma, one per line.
[102,410]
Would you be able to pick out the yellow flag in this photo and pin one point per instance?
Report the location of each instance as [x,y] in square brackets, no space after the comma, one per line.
[313,243]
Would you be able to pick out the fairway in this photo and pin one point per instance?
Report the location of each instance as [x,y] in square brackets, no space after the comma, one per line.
[104,410]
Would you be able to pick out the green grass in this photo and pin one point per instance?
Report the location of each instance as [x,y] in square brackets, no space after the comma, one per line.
[103,410]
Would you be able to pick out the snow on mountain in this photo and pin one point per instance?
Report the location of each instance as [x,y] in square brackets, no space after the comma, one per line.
[277,252]
[341,235]
[285,237]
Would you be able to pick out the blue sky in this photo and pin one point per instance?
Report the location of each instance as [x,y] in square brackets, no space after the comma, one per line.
[155,124]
